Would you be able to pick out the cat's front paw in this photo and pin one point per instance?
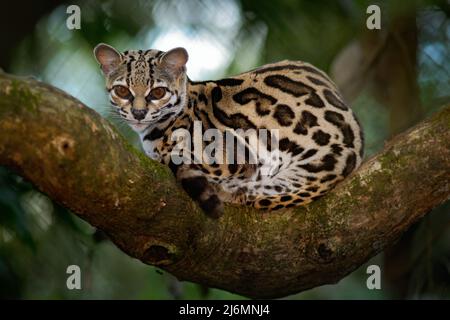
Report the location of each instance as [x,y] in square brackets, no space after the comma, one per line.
[205,194]
[212,206]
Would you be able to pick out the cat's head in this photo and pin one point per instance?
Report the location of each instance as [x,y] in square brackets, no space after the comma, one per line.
[144,86]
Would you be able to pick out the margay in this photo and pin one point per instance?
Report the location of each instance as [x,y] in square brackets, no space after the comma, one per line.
[319,138]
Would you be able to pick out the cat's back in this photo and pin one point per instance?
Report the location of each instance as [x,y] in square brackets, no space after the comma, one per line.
[294,97]
[318,140]
[278,90]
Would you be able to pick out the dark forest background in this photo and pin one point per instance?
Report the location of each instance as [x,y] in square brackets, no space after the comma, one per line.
[392,77]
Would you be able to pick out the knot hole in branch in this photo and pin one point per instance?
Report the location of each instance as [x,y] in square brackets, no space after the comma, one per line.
[65,146]
[323,252]
[159,255]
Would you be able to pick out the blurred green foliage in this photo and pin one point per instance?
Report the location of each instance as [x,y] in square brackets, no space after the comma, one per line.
[39,239]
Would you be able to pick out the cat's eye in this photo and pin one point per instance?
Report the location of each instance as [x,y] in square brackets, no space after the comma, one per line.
[157,93]
[122,92]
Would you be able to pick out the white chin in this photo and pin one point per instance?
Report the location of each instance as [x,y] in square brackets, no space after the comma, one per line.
[138,127]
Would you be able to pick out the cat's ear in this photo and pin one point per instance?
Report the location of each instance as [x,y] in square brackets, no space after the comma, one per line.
[108,57]
[175,60]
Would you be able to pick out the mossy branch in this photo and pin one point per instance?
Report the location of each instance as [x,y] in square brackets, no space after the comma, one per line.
[79,160]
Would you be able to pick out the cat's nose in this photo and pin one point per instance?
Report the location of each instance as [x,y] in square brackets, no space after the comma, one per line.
[139,114]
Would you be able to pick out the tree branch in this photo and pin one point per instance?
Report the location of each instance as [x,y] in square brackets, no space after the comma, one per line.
[76,157]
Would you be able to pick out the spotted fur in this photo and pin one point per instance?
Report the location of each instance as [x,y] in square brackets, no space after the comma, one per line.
[320,139]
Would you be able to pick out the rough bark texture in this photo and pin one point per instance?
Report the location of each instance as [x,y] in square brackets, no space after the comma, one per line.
[69,152]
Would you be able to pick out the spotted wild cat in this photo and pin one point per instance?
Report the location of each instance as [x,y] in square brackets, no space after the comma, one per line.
[320,141]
